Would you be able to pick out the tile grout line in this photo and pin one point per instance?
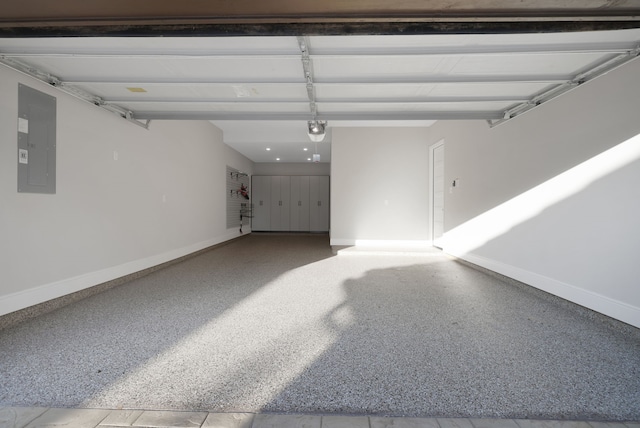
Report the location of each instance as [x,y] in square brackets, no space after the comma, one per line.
[472,421]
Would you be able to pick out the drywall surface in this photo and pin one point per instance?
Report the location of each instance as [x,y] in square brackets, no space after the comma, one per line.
[127,198]
[551,198]
[292,169]
[379,182]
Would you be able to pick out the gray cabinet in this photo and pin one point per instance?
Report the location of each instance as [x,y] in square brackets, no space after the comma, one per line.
[261,202]
[319,204]
[290,203]
[280,196]
[299,219]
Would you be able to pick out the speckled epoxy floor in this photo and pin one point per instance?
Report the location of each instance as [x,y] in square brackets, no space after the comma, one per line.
[277,323]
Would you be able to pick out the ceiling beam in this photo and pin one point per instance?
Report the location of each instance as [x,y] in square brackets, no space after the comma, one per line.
[72,90]
[334,116]
[557,91]
[250,16]
[291,9]
[408,26]
[148,56]
[249,100]
[307,69]
[445,51]
[434,80]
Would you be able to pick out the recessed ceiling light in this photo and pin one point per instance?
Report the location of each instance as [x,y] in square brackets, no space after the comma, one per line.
[268,148]
[309,159]
[305,149]
[277,159]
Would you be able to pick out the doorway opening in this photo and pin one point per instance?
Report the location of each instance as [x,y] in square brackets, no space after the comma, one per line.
[436,153]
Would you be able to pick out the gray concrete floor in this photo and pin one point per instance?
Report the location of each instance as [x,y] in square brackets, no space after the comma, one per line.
[278,324]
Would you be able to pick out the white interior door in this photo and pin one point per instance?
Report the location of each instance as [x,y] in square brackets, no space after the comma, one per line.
[437,193]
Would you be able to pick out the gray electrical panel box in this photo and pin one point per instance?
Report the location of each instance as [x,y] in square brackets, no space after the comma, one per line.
[36,141]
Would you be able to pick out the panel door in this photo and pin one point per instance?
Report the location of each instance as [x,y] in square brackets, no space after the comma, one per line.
[319,203]
[280,196]
[261,200]
[437,194]
[300,204]
[285,196]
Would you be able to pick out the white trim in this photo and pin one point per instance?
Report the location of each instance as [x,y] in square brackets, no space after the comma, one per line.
[42,293]
[383,243]
[392,243]
[340,242]
[432,149]
[589,299]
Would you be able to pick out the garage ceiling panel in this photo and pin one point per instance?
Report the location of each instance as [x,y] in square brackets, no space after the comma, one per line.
[225,69]
[516,90]
[230,92]
[355,80]
[414,107]
[217,107]
[455,43]
[516,64]
[328,69]
[147,46]
[367,92]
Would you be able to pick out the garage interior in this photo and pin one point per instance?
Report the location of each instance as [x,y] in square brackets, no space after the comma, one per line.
[505,136]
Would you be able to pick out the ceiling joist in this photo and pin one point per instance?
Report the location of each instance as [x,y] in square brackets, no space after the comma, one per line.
[338,53]
[343,81]
[593,73]
[258,101]
[72,90]
[240,63]
[364,79]
[38,18]
[334,116]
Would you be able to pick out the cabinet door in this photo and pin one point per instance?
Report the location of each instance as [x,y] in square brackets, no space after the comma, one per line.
[280,189]
[261,200]
[299,204]
[276,203]
[285,196]
[319,203]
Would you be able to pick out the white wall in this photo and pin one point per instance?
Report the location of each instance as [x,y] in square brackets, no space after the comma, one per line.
[551,198]
[379,178]
[108,217]
[292,169]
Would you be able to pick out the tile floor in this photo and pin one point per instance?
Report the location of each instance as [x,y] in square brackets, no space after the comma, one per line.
[41,417]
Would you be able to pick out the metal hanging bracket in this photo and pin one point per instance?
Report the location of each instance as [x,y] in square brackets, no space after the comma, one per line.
[565,87]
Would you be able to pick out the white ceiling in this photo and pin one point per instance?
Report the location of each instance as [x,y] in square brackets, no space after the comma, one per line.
[255,88]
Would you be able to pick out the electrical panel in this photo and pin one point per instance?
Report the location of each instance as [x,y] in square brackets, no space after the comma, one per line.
[36,141]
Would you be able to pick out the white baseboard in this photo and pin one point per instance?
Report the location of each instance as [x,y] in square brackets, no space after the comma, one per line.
[589,299]
[381,243]
[342,242]
[42,293]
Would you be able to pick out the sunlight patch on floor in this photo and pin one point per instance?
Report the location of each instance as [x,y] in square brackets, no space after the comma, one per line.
[225,355]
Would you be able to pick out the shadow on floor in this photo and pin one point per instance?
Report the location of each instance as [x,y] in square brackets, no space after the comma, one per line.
[444,340]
